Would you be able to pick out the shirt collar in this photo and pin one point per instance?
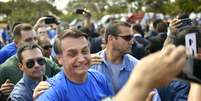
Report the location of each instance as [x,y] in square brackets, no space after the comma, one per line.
[30,83]
[125,65]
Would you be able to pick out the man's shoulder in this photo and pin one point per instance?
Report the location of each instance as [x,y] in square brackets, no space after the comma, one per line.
[92,71]
[96,75]
[58,78]
[57,86]
[10,61]
[9,49]
[129,62]
[130,58]
[19,91]
[20,86]
[9,46]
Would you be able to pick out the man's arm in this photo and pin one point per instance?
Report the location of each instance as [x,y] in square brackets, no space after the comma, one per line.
[172,31]
[195,91]
[54,68]
[3,55]
[170,62]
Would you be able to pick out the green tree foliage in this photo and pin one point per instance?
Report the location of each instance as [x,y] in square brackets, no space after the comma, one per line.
[26,10]
[172,8]
[98,8]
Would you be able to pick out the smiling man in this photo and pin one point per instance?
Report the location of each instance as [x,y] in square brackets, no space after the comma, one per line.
[75,82]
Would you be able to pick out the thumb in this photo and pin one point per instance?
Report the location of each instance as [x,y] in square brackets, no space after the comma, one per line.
[8,81]
[150,96]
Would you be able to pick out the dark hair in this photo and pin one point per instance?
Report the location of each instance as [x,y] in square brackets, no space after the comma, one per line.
[138,29]
[26,47]
[70,32]
[155,22]
[161,27]
[112,28]
[55,45]
[18,28]
[183,16]
[51,19]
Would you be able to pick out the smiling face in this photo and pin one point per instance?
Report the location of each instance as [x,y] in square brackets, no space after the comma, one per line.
[75,56]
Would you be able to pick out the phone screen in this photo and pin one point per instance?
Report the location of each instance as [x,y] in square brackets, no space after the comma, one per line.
[192,70]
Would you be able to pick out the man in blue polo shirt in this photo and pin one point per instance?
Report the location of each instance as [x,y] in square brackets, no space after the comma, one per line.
[19,36]
[117,64]
[75,82]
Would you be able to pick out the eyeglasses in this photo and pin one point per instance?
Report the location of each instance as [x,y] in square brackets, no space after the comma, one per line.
[31,62]
[127,38]
[47,47]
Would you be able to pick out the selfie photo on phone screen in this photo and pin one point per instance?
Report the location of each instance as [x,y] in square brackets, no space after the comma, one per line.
[192,69]
[190,37]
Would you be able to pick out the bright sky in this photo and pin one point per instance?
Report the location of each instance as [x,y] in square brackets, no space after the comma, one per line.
[4,0]
[60,4]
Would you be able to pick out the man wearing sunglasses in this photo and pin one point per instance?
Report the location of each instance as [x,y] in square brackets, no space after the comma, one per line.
[45,43]
[117,64]
[10,73]
[32,63]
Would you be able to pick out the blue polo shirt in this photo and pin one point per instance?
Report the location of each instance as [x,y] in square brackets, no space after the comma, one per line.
[62,89]
[128,64]
[7,51]
[23,90]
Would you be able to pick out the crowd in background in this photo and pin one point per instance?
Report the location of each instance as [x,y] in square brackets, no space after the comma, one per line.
[141,40]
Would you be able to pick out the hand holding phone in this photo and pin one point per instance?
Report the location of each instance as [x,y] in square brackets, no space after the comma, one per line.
[83,12]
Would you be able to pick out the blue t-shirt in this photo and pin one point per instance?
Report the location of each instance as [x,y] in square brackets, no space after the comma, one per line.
[62,89]
[7,51]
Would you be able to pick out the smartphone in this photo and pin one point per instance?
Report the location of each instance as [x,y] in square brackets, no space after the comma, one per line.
[183,23]
[50,20]
[79,11]
[192,70]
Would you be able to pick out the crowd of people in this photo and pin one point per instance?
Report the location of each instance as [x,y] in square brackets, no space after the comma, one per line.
[120,61]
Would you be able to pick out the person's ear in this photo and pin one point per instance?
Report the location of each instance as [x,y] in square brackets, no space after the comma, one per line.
[60,60]
[21,66]
[110,38]
[17,43]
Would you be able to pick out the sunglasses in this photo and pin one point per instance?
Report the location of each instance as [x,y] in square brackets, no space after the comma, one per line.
[31,62]
[47,47]
[127,38]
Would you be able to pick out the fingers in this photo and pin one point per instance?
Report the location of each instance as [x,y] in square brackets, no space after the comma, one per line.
[167,50]
[42,86]
[36,94]
[95,59]
[8,81]
[7,91]
[174,22]
[150,96]
[7,87]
